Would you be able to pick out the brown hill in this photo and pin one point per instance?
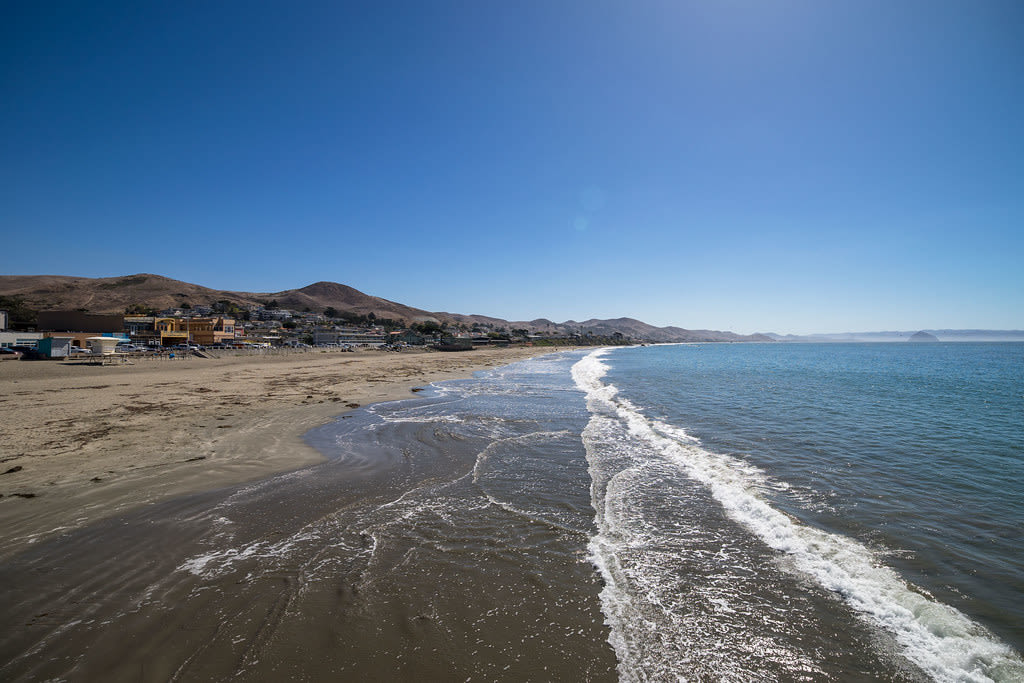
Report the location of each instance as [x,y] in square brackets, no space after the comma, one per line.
[321,295]
[110,294]
[115,294]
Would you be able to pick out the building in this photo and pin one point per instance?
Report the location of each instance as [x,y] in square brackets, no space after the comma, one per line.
[29,339]
[76,321]
[348,335]
[272,314]
[406,337]
[5,320]
[142,330]
[208,331]
[78,326]
[80,339]
[203,331]
[55,346]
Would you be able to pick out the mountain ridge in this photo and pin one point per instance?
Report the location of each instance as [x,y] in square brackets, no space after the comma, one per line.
[116,294]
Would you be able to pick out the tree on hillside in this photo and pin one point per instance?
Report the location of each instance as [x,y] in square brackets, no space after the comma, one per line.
[428,328]
[18,310]
[231,309]
[140,309]
[331,312]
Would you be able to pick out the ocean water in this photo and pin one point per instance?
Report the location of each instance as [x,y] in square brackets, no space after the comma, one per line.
[751,498]
[707,513]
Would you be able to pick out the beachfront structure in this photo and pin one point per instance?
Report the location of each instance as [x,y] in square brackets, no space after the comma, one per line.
[348,335]
[203,331]
[79,327]
[81,339]
[56,346]
[102,346]
[171,331]
[76,321]
[142,330]
[208,331]
[29,339]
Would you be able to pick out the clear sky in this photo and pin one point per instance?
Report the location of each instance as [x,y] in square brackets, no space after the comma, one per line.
[785,166]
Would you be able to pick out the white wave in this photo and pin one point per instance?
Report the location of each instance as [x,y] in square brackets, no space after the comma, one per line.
[938,638]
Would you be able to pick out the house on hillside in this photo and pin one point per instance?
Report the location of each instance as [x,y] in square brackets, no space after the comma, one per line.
[272,314]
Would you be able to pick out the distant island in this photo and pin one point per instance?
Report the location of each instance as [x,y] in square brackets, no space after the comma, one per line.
[923,336]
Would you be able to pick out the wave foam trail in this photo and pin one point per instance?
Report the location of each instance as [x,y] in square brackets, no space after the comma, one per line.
[936,637]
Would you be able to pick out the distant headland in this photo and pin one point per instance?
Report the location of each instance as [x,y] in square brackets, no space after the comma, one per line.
[942,335]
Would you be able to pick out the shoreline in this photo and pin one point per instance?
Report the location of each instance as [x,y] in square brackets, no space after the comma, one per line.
[83,443]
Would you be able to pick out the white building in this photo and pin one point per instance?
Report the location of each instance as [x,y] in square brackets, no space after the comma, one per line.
[29,339]
[272,314]
[347,335]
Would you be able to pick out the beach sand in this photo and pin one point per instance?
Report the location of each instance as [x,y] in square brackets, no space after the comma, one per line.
[79,443]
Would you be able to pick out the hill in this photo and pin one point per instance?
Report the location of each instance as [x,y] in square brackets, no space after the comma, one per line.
[116,294]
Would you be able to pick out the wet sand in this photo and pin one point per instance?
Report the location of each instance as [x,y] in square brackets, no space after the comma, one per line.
[81,443]
[438,539]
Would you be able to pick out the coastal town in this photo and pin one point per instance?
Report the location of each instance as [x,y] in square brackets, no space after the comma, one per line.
[226,327]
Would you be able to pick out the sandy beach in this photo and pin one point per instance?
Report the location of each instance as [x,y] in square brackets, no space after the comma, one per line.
[210,519]
[83,442]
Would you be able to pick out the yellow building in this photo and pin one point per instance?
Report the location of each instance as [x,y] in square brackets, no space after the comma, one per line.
[203,331]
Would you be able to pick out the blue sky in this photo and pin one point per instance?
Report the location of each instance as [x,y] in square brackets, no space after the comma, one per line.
[790,166]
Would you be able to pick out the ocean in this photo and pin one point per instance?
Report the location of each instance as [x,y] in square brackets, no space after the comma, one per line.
[779,512]
[716,512]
